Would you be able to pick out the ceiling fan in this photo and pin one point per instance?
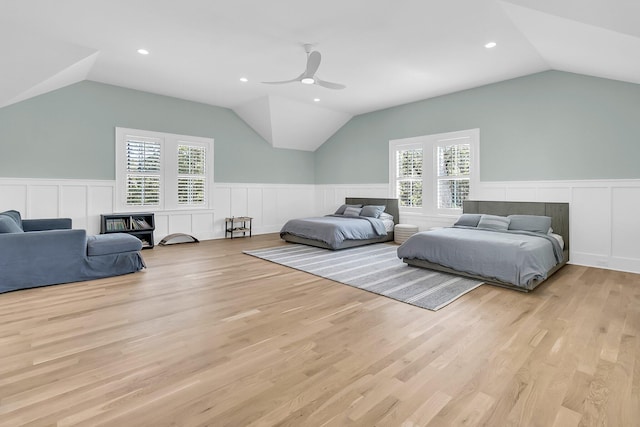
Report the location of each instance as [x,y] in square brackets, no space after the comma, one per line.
[309,77]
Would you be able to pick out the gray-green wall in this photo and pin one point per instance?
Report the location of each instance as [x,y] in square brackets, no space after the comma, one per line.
[547,126]
[69,133]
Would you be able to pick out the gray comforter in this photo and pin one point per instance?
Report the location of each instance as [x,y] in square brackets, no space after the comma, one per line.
[335,229]
[515,257]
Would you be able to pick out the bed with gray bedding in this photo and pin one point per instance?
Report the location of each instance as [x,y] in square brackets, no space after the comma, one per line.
[341,231]
[520,255]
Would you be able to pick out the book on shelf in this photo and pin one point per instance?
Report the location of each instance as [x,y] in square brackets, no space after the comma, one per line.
[139,224]
[116,224]
[143,223]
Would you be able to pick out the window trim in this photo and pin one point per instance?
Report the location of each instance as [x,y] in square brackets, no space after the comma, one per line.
[169,169]
[429,145]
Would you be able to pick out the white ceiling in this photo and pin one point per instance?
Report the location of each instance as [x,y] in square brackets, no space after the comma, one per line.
[386,53]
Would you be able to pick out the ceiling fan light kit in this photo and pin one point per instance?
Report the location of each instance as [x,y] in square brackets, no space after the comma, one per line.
[308,77]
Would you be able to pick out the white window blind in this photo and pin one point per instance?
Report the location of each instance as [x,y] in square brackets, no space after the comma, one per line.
[163,171]
[453,179]
[409,177]
[192,175]
[143,159]
[434,174]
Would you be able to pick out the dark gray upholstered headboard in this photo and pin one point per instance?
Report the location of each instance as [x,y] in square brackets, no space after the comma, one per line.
[559,212]
[392,207]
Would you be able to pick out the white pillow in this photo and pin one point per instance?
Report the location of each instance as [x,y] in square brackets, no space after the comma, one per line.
[558,238]
[385,215]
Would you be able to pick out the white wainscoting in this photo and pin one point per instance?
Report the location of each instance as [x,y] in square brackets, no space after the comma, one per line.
[81,200]
[271,205]
[604,229]
[84,200]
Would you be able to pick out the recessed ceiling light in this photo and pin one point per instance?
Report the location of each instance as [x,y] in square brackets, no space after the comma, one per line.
[316,99]
[143,51]
[490,45]
[244,79]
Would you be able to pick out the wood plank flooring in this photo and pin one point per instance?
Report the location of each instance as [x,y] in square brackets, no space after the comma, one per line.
[208,336]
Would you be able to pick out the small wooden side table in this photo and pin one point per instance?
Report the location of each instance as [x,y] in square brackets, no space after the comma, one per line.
[237,224]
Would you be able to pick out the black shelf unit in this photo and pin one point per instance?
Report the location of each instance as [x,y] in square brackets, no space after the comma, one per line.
[140,225]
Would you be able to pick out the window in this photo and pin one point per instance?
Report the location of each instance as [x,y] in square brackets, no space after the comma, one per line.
[434,174]
[409,177]
[453,178]
[143,172]
[192,177]
[162,171]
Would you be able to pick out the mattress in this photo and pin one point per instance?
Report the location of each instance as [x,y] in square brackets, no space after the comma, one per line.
[516,257]
[333,230]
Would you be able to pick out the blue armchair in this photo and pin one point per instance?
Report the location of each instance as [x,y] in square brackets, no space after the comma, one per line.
[41,252]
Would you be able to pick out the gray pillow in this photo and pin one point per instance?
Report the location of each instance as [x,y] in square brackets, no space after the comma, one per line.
[494,222]
[468,220]
[351,211]
[535,223]
[15,215]
[8,224]
[342,208]
[372,211]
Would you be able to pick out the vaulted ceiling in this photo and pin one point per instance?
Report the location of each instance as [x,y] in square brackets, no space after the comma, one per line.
[386,53]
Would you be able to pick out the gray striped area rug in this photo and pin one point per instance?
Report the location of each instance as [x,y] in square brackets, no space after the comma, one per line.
[374,268]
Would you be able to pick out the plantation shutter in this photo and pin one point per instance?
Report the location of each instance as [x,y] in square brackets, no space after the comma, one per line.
[143,172]
[453,175]
[192,175]
[409,177]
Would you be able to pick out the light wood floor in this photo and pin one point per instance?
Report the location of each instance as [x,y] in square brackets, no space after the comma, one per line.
[210,336]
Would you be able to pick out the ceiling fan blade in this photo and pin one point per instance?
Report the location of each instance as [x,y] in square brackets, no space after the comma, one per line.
[329,85]
[279,83]
[313,62]
[297,79]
